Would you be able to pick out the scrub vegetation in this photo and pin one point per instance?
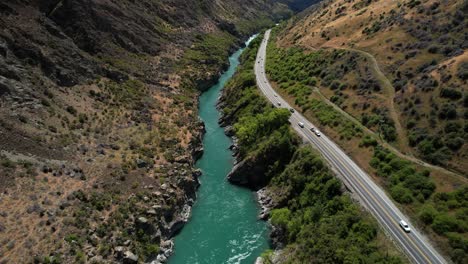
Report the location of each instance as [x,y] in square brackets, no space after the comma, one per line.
[416,51]
[313,217]
[441,213]
[320,223]
[98,121]
[298,73]
[335,72]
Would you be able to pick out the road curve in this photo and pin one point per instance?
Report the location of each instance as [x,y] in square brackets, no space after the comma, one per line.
[414,244]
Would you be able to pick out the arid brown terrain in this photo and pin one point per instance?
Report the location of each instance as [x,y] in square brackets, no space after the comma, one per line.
[98,120]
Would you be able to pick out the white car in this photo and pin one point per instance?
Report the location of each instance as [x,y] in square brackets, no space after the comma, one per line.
[279,103]
[317,133]
[405,226]
[301,124]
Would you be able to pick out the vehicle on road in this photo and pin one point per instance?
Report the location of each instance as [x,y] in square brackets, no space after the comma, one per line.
[279,103]
[405,226]
[291,110]
[379,204]
[276,95]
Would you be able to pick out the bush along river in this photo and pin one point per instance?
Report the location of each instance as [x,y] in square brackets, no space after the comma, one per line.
[224,227]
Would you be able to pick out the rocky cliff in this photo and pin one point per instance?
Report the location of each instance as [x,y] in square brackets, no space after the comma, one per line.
[98,121]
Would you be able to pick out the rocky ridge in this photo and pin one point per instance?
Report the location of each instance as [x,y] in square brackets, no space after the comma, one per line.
[98,123]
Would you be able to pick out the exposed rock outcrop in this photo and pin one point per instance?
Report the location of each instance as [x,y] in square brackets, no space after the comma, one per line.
[249,173]
[266,204]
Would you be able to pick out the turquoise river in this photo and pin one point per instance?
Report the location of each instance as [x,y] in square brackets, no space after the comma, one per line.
[224,226]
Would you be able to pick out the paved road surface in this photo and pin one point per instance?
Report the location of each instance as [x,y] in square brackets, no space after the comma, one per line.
[370,195]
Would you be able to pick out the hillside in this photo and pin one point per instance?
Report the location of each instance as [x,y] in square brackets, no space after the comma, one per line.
[314,218]
[356,69]
[98,120]
[411,58]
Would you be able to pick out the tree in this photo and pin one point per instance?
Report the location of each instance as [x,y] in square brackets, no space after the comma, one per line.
[427,214]
[280,217]
[450,93]
[448,111]
[401,194]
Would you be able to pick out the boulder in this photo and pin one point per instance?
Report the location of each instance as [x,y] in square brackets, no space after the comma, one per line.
[167,247]
[248,173]
[151,212]
[96,259]
[142,220]
[160,259]
[119,252]
[141,163]
[143,224]
[175,226]
[229,131]
[265,202]
[189,185]
[197,173]
[129,258]
[182,159]
[197,152]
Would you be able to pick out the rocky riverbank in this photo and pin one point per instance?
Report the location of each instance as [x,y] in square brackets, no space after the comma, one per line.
[182,214]
[249,173]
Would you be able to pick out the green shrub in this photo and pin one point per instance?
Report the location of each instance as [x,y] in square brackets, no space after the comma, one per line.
[70,109]
[45,102]
[401,194]
[72,238]
[405,182]
[22,119]
[151,250]
[250,128]
[444,223]
[427,214]
[462,71]
[280,217]
[450,93]
[7,163]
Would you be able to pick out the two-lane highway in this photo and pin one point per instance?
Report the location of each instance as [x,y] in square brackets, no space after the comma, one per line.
[370,195]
